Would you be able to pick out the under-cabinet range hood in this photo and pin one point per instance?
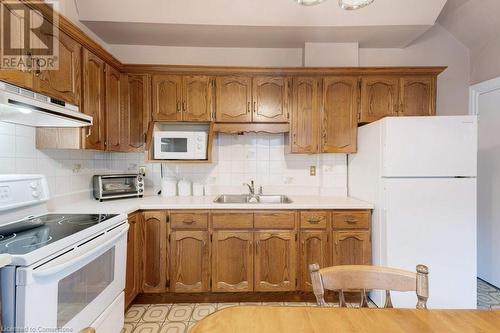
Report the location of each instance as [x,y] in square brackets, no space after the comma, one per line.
[26,107]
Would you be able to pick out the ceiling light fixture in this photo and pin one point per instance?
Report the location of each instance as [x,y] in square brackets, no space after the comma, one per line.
[309,2]
[354,4]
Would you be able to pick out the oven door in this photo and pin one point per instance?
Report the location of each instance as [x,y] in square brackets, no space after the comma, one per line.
[174,146]
[73,289]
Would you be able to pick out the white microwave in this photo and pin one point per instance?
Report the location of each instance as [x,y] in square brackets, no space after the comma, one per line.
[176,145]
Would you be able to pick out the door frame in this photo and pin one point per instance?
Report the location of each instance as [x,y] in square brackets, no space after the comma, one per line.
[476,90]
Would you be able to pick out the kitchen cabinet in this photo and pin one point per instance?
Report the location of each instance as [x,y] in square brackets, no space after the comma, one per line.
[114,121]
[189,255]
[94,103]
[417,96]
[65,82]
[314,248]
[133,282]
[305,126]
[379,98]
[182,98]
[270,99]
[275,260]
[339,125]
[136,111]
[351,248]
[232,261]
[233,99]
[155,256]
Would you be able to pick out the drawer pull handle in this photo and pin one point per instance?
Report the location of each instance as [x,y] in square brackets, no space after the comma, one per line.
[188,221]
[351,220]
[314,220]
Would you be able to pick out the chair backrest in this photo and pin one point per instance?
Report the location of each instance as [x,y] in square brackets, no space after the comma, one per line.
[88,330]
[361,277]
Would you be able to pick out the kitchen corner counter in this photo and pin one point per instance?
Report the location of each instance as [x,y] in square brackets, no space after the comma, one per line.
[128,206]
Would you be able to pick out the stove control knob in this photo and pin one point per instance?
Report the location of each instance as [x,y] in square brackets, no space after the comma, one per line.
[35,194]
[33,185]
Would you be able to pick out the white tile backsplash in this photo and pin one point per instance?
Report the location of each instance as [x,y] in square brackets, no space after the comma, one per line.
[237,159]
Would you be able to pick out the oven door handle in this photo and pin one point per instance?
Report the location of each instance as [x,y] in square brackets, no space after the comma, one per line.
[58,268]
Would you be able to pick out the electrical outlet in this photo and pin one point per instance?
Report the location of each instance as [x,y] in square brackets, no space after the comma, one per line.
[142,170]
[312,170]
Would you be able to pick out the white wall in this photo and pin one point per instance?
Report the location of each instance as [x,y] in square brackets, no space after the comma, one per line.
[484,62]
[437,47]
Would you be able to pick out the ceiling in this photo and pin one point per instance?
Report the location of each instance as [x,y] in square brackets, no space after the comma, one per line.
[256,23]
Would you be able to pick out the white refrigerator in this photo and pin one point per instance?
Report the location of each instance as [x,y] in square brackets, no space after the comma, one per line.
[420,173]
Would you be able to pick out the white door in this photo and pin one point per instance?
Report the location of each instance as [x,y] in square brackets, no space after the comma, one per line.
[432,221]
[489,188]
[429,146]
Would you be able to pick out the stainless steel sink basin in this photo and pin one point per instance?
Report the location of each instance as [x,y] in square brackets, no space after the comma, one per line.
[247,198]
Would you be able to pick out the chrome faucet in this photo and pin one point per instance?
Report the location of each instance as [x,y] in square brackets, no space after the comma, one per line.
[251,187]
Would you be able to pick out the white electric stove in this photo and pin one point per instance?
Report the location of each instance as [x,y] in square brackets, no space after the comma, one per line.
[67,271]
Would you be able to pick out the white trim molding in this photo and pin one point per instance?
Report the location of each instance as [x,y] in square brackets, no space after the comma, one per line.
[475,91]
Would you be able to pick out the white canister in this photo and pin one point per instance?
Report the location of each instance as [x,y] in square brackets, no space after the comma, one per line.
[184,187]
[168,187]
[198,189]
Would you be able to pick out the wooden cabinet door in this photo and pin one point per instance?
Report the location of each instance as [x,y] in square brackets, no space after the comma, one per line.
[313,250]
[418,96]
[167,97]
[94,100]
[379,98]
[304,135]
[351,248]
[24,76]
[133,281]
[189,255]
[232,261]
[64,83]
[339,124]
[233,99]
[155,271]
[275,261]
[114,121]
[197,98]
[270,99]
[136,111]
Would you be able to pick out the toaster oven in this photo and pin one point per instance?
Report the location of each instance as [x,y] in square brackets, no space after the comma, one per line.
[116,186]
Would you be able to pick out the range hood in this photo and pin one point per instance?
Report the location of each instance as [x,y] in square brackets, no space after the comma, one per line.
[26,107]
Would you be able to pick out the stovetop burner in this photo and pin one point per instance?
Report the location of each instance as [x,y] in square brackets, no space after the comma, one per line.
[35,232]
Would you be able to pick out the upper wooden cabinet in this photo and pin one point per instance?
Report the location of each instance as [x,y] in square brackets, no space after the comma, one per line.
[155,252]
[379,98]
[339,125]
[94,102]
[417,96]
[233,99]
[65,82]
[182,98]
[136,109]
[270,99]
[232,261]
[189,255]
[114,121]
[305,126]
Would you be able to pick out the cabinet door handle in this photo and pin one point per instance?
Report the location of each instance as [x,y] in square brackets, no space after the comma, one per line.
[254,107]
[303,245]
[184,106]
[89,133]
[250,244]
[178,106]
[294,138]
[248,107]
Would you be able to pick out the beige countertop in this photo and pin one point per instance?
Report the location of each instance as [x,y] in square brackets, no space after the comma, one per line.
[127,206]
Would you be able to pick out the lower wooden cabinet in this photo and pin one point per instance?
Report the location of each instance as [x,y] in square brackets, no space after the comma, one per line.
[275,260]
[351,248]
[133,282]
[189,256]
[313,247]
[155,252]
[232,261]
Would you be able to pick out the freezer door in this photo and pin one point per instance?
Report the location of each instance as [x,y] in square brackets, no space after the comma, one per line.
[429,146]
[433,222]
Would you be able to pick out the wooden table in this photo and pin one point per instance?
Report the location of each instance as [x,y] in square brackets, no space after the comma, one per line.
[262,319]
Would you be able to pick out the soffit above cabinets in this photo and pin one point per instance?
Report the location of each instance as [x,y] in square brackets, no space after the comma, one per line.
[256,23]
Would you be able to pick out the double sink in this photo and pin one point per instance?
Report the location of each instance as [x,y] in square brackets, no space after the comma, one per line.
[252,199]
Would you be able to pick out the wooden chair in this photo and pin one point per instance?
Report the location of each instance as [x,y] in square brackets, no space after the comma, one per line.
[88,330]
[343,278]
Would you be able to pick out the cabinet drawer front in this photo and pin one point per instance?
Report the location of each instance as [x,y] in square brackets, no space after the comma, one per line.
[351,220]
[189,220]
[274,220]
[313,220]
[232,220]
